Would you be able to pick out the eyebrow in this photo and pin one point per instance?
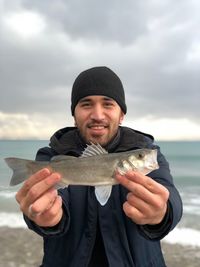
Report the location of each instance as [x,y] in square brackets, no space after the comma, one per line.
[84,99]
[88,99]
[108,98]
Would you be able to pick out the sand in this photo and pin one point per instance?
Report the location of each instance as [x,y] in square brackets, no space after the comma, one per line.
[23,248]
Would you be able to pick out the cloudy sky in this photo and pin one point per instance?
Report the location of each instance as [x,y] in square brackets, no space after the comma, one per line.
[153,45]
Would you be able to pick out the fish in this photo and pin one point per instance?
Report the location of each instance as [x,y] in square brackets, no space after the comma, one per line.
[95,167]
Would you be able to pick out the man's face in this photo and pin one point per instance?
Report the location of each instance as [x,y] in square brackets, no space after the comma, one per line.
[98,119]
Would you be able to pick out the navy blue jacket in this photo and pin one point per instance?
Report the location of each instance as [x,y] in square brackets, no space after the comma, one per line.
[70,243]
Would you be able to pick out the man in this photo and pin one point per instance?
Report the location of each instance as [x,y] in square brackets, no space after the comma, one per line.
[141,210]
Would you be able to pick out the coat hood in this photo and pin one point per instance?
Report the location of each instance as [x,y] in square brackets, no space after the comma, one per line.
[68,140]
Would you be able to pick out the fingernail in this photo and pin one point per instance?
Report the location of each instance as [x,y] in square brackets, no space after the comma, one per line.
[57,176]
[45,172]
[54,193]
[54,178]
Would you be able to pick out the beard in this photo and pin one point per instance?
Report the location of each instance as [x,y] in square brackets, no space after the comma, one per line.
[98,132]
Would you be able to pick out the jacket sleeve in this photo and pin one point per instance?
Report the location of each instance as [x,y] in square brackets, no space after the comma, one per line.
[45,154]
[174,205]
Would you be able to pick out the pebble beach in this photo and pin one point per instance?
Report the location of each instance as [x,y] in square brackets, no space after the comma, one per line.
[22,248]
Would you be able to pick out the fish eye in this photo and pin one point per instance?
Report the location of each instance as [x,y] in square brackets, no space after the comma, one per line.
[140,155]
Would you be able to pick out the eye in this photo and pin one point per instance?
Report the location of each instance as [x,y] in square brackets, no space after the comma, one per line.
[85,104]
[141,155]
[108,104]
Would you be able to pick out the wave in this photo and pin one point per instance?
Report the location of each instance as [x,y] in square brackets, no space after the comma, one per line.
[12,220]
[191,209]
[183,236]
[7,194]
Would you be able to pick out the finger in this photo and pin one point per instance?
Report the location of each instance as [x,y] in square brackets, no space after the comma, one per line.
[135,201]
[143,180]
[142,216]
[35,178]
[133,213]
[42,187]
[31,214]
[54,209]
[52,216]
[139,204]
[141,192]
[37,190]
[146,181]
[144,202]
[44,202]
[131,186]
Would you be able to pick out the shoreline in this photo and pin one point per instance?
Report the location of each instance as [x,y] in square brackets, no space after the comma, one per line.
[21,247]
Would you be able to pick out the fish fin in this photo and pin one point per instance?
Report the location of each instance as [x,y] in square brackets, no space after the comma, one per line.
[61,157]
[93,150]
[103,193]
[20,170]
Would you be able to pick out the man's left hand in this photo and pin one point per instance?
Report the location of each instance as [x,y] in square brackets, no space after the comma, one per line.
[146,201]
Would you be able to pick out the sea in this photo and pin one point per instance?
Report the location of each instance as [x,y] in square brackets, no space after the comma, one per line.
[184,160]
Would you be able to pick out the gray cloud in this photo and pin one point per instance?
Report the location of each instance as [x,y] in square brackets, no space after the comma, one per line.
[153,47]
[104,20]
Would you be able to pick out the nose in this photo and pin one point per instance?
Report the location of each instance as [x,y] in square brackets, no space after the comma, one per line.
[97,113]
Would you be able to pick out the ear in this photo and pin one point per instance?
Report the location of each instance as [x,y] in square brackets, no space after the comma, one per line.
[75,124]
[121,118]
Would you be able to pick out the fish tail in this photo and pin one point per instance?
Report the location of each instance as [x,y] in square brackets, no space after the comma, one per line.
[20,170]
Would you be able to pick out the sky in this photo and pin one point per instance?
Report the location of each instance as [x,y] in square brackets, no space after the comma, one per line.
[152,45]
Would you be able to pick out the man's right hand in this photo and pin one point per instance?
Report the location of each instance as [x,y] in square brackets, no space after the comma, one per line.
[39,200]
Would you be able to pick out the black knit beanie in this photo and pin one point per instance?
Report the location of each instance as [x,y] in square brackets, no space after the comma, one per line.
[98,81]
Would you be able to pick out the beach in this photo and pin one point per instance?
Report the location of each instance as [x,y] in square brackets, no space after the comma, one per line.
[20,248]
[23,248]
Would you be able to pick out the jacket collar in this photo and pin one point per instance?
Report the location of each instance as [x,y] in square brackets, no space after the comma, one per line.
[68,141]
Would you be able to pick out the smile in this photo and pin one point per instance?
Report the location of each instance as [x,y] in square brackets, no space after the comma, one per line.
[99,127]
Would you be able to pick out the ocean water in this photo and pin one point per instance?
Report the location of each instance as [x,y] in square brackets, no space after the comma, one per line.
[184,159]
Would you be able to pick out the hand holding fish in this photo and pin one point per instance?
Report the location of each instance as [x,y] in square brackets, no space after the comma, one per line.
[38,199]
[147,200]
